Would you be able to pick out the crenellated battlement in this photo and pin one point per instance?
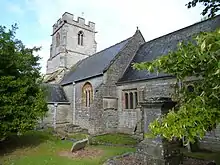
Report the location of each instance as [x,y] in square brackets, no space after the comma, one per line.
[69,18]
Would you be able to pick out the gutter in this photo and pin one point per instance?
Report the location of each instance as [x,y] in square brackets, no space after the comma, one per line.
[55,115]
[58,102]
[138,80]
[76,81]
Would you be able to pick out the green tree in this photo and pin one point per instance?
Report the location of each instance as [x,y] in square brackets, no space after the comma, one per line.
[198,110]
[211,7]
[22,99]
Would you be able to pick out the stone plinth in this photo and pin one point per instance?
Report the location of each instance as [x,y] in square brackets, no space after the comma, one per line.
[157,151]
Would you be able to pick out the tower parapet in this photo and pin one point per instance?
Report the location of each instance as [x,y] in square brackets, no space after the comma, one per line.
[69,18]
[72,41]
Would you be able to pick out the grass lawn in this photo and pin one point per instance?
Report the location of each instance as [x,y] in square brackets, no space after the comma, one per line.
[40,148]
[117,139]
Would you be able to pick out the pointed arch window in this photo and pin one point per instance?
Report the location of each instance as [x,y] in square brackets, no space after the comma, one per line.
[57,39]
[80,38]
[87,96]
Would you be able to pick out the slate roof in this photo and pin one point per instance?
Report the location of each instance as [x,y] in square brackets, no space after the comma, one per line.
[94,65]
[55,93]
[52,76]
[161,46]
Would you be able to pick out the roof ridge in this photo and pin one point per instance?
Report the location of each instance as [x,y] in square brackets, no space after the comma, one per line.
[160,46]
[137,31]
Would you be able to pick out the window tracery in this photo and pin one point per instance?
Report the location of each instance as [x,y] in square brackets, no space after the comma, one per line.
[87,94]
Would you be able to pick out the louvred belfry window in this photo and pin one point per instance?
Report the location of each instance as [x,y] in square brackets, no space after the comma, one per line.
[80,38]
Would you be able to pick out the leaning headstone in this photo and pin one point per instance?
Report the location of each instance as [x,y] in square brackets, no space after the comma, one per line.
[79,145]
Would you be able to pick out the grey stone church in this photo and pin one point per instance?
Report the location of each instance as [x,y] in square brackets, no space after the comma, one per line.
[100,91]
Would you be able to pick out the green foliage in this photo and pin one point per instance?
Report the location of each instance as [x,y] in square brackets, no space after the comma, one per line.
[22,100]
[198,110]
[114,139]
[211,7]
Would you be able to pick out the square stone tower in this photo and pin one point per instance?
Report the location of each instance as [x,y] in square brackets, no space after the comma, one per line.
[72,41]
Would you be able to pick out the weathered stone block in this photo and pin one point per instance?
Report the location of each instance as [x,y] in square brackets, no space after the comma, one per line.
[110,103]
[79,145]
[157,151]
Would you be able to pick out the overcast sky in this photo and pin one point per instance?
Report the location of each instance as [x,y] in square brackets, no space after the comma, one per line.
[115,20]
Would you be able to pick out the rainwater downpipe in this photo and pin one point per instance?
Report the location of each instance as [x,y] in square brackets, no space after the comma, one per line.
[74,103]
[55,115]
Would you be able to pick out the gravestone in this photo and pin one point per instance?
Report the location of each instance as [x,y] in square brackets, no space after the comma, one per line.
[157,151]
[79,145]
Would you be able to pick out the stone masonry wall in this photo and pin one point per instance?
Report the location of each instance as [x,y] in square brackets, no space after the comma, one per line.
[48,120]
[63,115]
[159,88]
[96,121]
[69,52]
[109,88]
[123,59]
[110,114]
[212,140]
[82,113]
[163,87]
[110,120]
[69,91]
[53,64]
[130,118]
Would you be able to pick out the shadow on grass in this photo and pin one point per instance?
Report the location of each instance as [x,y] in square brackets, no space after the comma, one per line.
[29,139]
[203,154]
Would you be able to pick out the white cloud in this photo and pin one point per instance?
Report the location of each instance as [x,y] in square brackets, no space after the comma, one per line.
[116,19]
